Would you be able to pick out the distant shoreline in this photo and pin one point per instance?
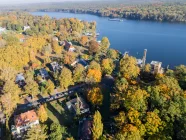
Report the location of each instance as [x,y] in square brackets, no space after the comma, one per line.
[97,14]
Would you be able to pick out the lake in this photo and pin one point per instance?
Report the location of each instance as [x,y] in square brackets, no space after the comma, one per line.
[165,42]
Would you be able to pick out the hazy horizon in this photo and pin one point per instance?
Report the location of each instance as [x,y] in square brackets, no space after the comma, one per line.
[10,2]
[17,2]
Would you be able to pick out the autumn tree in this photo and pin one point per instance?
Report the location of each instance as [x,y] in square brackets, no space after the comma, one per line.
[153,123]
[180,73]
[93,47]
[93,76]
[69,58]
[56,48]
[94,65]
[97,128]
[121,85]
[83,40]
[113,54]
[78,73]
[129,132]
[136,98]
[31,86]
[120,119]
[9,99]
[36,133]
[105,44]
[95,96]
[49,88]
[107,66]
[42,114]
[57,131]
[47,50]
[65,78]
[128,67]
[11,39]
[147,68]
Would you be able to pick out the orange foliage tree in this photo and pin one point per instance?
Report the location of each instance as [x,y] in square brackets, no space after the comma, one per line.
[93,76]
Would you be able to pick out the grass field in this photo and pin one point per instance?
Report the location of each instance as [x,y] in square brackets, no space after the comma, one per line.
[57,113]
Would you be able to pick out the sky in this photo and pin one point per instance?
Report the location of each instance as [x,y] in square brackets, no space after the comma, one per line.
[2,2]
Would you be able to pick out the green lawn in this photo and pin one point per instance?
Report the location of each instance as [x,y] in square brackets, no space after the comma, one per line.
[57,113]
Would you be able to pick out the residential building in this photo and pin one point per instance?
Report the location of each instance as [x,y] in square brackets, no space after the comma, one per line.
[2,30]
[20,80]
[85,129]
[23,122]
[80,61]
[44,74]
[55,67]
[68,46]
[156,67]
[26,28]
[55,39]
[140,62]
[72,105]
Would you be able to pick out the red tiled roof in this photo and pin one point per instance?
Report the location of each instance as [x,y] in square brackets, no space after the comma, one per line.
[25,118]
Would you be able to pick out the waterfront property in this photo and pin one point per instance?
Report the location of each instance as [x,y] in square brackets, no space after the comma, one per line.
[23,122]
[156,67]
[162,40]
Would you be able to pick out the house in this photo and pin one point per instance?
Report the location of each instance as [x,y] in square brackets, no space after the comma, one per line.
[19,77]
[55,67]
[140,62]
[23,122]
[68,46]
[20,80]
[88,34]
[72,105]
[61,43]
[156,67]
[85,129]
[26,28]
[44,74]
[80,61]
[2,30]
[55,39]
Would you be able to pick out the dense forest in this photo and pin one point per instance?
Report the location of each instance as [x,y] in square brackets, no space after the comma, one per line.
[133,103]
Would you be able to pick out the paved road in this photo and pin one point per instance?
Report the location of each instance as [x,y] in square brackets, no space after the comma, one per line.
[51,98]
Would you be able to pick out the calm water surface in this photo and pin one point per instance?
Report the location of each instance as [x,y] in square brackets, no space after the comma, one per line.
[166,42]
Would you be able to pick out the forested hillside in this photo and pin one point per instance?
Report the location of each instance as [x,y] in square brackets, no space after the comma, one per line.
[154,10]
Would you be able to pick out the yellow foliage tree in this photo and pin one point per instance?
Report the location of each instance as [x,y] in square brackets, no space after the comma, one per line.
[83,41]
[95,96]
[128,67]
[153,123]
[42,114]
[93,76]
